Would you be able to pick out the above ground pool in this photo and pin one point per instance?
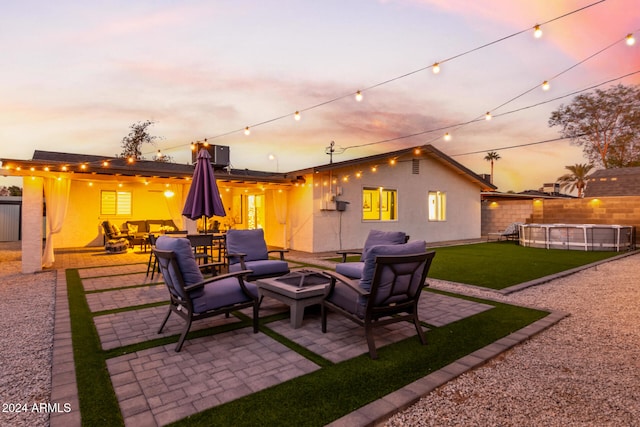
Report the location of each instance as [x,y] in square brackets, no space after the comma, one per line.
[581,237]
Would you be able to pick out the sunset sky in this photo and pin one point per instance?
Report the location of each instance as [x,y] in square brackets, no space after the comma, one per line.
[75,75]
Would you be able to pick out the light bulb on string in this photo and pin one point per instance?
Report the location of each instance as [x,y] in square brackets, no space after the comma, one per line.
[159,155]
[206,144]
[247,131]
[630,40]
[358,96]
[435,68]
[447,137]
[537,32]
[487,116]
[193,146]
[545,85]
[297,115]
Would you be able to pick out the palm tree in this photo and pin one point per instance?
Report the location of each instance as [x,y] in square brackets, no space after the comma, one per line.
[491,157]
[577,179]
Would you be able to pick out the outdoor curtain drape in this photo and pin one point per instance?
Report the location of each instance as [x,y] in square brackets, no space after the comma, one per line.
[280,210]
[175,204]
[56,195]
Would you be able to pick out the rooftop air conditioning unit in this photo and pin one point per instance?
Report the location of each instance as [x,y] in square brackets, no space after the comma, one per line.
[219,154]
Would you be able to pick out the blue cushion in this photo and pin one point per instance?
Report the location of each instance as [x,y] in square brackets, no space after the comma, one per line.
[352,270]
[419,246]
[345,297]
[186,260]
[250,242]
[377,237]
[222,293]
[269,267]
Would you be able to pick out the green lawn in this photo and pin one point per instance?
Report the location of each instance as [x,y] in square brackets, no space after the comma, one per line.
[498,265]
[503,264]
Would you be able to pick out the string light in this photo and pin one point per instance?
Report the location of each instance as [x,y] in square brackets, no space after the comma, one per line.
[358,96]
[545,85]
[630,40]
[537,32]
[435,67]
[297,115]
[447,137]
[247,131]
[206,143]
[487,116]
[105,163]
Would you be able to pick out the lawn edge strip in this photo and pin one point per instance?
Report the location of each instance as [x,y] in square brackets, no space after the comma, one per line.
[98,402]
[120,288]
[565,273]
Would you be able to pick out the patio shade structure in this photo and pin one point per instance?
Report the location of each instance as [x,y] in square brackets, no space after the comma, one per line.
[203,199]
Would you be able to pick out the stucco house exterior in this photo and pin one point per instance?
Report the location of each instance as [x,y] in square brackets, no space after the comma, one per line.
[418,190]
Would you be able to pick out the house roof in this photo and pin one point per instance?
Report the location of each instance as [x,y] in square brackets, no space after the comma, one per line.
[413,152]
[614,182]
[524,195]
[90,167]
[85,166]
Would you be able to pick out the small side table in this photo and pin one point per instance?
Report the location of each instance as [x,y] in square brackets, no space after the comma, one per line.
[297,298]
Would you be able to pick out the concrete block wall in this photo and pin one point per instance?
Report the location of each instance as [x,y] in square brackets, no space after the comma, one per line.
[622,210]
[498,214]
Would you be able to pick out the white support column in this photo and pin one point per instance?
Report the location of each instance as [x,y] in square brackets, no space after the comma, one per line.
[32,196]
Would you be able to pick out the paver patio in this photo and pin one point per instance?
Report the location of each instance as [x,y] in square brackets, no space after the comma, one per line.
[156,386]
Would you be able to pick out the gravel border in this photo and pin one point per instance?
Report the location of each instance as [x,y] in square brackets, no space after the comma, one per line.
[584,371]
[27,304]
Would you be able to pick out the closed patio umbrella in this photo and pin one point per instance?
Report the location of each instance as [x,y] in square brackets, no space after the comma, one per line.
[203,199]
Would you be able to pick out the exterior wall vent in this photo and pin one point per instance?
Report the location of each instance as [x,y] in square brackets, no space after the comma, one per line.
[416,166]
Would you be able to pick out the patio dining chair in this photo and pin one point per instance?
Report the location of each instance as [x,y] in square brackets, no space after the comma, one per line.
[388,291]
[353,269]
[191,296]
[247,250]
[153,260]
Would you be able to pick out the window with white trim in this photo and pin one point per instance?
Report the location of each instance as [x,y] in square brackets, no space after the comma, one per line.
[116,203]
[379,204]
[437,201]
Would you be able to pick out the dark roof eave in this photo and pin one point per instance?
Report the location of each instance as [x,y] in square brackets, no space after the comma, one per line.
[429,149]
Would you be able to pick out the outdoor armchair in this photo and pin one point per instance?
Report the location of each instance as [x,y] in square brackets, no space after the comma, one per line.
[353,269]
[247,250]
[388,292]
[112,232]
[191,296]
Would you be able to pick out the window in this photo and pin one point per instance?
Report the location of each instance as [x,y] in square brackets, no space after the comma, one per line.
[379,204]
[115,203]
[437,206]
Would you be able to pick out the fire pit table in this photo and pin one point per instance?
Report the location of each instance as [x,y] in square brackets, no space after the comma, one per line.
[298,289]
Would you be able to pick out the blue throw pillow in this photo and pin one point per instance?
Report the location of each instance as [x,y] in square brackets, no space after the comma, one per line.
[250,242]
[419,246]
[377,237]
[184,253]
